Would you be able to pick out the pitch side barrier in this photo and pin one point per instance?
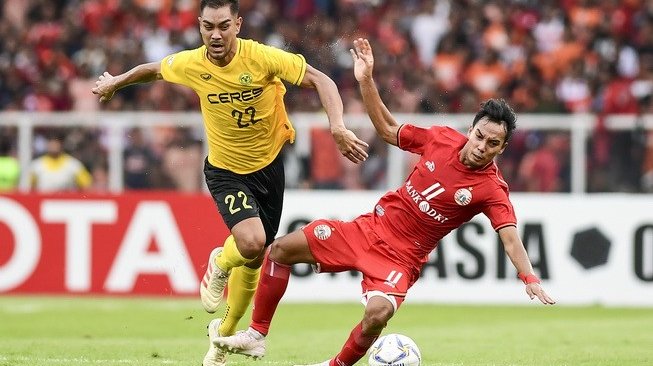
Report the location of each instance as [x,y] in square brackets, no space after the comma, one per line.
[587,249]
[114,126]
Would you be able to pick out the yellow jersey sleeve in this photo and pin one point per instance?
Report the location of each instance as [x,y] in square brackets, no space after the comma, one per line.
[173,67]
[287,66]
[242,103]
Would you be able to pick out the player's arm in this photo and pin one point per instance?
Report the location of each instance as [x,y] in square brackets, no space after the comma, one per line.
[384,123]
[349,145]
[107,84]
[83,178]
[517,254]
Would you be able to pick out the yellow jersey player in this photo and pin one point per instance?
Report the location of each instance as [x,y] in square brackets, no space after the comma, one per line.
[239,83]
[56,171]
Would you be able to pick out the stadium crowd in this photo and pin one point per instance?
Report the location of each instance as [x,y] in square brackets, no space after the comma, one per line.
[433,56]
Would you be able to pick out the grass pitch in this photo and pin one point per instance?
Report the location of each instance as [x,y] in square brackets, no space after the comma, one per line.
[109,331]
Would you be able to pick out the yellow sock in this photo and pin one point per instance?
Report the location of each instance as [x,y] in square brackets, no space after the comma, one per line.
[230,257]
[241,288]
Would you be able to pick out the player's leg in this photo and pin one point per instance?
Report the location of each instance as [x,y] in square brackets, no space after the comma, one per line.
[223,260]
[267,186]
[286,251]
[290,249]
[385,285]
[242,285]
[378,311]
[240,212]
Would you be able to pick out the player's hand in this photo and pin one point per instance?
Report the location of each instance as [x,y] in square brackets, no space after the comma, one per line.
[363,59]
[104,87]
[535,290]
[349,145]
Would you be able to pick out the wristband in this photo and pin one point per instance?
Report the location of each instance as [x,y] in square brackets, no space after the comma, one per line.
[528,278]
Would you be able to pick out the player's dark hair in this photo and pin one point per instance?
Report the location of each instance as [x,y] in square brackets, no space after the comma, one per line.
[498,111]
[234,6]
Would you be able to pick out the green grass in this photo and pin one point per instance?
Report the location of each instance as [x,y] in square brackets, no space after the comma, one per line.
[110,331]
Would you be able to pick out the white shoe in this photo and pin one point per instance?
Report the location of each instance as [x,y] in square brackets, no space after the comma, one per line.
[214,356]
[213,283]
[243,342]
[325,363]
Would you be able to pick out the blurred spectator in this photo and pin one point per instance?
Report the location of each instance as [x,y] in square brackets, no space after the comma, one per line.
[540,169]
[9,166]
[326,166]
[57,171]
[486,75]
[374,169]
[443,56]
[574,90]
[182,161]
[428,28]
[139,162]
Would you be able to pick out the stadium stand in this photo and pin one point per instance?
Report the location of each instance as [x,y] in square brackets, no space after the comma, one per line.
[433,56]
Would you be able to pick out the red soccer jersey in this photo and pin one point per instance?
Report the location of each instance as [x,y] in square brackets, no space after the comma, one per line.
[439,195]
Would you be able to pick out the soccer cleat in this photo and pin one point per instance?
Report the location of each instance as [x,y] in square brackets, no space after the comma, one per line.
[325,363]
[213,283]
[242,343]
[214,356]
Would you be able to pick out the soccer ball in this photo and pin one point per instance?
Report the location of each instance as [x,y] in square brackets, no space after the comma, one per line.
[394,350]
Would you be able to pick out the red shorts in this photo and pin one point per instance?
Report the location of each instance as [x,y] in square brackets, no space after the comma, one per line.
[339,246]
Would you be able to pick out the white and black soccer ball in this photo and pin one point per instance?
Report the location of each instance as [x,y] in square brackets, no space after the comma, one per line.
[394,350]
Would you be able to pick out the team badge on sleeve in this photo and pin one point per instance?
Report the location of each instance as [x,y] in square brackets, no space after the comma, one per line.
[322,232]
[463,196]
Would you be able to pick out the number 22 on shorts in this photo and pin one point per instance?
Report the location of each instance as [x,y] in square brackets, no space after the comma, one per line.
[231,201]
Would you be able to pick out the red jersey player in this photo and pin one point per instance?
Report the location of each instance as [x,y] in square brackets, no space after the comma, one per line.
[455,179]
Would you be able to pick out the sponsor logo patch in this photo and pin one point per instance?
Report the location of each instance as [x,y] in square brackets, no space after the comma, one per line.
[205,76]
[424,206]
[322,232]
[430,166]
[463,196]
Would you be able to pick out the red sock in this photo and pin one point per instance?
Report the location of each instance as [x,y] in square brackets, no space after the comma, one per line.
[355,348]
[271,287]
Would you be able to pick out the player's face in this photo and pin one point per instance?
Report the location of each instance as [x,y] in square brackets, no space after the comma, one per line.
[219,28]
[486,141]
[54,147]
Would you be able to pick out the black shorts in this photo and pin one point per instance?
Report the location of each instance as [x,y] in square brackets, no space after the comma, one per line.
[241,196]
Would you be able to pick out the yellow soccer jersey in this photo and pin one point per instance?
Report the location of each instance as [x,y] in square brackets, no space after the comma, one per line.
[242,103]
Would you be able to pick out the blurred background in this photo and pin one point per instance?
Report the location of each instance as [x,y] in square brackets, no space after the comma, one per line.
[137,218]
[578,72]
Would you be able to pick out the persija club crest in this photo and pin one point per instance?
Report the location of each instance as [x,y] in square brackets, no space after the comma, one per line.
[463,196]
[322,232]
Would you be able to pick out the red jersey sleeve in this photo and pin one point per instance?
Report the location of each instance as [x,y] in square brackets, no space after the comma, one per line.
[499,209]
[414,139]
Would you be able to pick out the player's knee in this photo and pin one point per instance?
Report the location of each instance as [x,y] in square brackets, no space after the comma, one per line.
[250,245]
[278,251]
[376,318]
